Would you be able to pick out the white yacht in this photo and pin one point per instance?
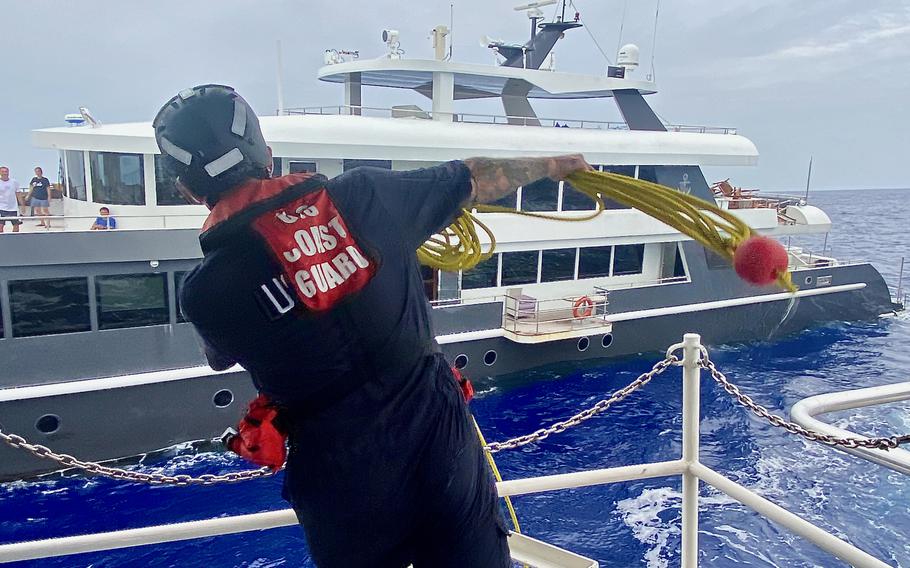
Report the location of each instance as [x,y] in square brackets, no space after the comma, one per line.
[100,364]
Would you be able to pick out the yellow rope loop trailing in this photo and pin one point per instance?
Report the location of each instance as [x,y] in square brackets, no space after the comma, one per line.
[459,248]
[496,475]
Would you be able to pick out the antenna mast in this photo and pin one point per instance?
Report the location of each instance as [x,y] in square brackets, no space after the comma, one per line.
[808,177]
[278,81]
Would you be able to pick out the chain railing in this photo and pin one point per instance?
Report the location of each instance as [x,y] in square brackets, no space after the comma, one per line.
[704,362]
[69,461]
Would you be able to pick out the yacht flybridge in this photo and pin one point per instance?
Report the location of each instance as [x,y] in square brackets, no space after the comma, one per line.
[104,303]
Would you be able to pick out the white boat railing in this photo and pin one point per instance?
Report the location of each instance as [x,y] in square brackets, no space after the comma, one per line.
[806,412]
[479,118]
[688,466]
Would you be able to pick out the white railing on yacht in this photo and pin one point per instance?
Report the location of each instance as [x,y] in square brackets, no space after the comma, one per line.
[806,411]
[125,222]
[688,467]
[478,118]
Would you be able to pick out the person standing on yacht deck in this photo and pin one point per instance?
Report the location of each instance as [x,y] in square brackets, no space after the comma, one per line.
[313,286]
[9,205]
[39,195]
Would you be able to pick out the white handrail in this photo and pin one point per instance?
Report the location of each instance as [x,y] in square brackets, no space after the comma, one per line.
[689,467]
[805,411]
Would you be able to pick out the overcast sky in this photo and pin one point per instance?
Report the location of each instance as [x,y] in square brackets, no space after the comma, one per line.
[826,78]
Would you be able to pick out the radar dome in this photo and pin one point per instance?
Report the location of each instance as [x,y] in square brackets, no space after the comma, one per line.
[628,56]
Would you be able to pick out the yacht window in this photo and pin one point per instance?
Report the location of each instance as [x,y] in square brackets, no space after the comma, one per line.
[165,188]
[75,175]
[574,200]
[542,195]
[48,306]
[481,276]
[648,173]
[679,269]
[627,259]
[131,300]
[519,267]
[351,164]
[310,167]
[117,178]
[628,171]
[557,264]
[594,262]
[510,201]
[715,261]
[178,286]
[276,167]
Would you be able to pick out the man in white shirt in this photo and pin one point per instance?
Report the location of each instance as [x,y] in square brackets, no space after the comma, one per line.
[9,207]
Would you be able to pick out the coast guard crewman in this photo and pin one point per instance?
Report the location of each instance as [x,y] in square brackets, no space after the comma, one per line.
[313,286]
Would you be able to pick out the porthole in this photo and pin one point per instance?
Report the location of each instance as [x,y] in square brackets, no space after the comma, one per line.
[48,424]
[583,344]
[606,340]
[808,280]
[223,398]
[489,358]
[461,361]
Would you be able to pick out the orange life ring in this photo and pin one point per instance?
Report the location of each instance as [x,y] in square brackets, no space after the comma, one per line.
[583,307]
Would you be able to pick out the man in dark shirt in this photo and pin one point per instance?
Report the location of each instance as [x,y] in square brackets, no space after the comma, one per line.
[39,197]
[313,286]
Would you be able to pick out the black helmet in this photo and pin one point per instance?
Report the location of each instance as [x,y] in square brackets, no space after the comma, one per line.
[210,138]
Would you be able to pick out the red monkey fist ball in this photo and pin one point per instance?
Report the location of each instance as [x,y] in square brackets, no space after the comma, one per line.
[759,260]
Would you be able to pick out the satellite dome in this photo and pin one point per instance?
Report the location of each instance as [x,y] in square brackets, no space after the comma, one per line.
[628,56]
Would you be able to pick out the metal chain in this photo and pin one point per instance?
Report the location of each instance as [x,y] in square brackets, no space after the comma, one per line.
[622,393]
[884,443]
[69,461]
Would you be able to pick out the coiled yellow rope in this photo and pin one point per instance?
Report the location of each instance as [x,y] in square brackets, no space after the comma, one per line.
[458,247]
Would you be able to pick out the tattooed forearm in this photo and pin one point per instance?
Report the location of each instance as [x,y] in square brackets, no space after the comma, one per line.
[496,178]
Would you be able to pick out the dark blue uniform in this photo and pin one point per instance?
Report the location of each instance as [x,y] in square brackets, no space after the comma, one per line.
[313,286]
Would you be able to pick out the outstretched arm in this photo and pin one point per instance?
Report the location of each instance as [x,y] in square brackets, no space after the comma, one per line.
[493,179]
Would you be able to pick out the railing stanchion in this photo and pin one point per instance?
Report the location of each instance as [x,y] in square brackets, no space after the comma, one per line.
[691,416]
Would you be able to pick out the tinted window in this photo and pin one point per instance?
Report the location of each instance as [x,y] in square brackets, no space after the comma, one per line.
[48,306]
[628,259]
[310,167]
[628,171]
[519,267]
[131,300]
[117,178]
[481,276]
[510,201]
[165,190]
[75,175]
[276,167]
[557,265]
[542,195]
[574,200]
[648,173]
[679,268]
[351,164]
[594,262]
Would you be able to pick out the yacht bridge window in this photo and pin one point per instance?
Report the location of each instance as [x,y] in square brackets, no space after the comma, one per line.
[594,262]
[541,195]
[75,175]
[49,306]
[519,267]
[117,178]
[484,275]
[351,164]
[557,265]
[628,259]
[131,300]
[298,167]
[165,185]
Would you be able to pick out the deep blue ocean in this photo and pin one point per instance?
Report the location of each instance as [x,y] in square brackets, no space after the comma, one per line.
[629,524]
